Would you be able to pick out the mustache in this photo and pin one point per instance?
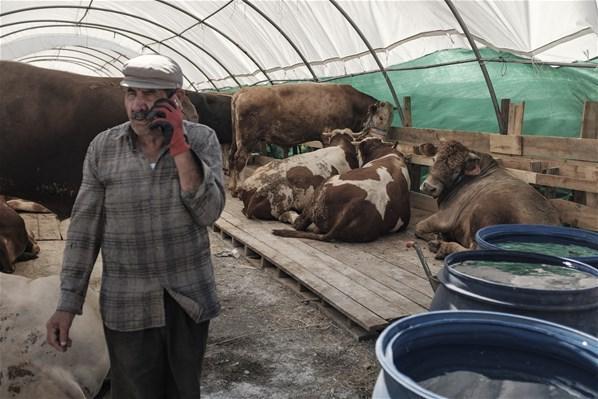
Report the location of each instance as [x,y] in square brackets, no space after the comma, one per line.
[140,115]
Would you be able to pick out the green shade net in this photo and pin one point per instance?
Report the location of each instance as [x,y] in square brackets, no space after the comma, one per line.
[456,96]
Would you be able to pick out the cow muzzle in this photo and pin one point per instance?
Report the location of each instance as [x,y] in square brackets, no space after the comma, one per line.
[431,188]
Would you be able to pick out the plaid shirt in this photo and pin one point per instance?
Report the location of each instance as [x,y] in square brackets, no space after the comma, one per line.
[152,235]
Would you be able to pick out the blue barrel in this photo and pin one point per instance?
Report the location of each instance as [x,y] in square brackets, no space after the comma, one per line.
[475,354]
[576,307]
[566,240]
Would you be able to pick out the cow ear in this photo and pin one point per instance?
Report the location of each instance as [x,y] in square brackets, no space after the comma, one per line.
[427,149]
[472,165]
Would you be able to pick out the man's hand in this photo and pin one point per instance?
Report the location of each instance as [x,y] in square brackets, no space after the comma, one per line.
[168,117]
[57,330]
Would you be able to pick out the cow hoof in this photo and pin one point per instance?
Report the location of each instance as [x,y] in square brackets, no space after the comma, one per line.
[434,246]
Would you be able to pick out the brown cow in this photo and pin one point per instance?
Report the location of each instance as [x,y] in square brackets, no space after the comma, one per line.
[291,114]
[473,191]
[48,119]
[362,204]
[16,243]
[281,188]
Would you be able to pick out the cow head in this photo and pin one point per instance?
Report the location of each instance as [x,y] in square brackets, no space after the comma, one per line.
[452,161]
[372,148]
[379,118]
[336,136]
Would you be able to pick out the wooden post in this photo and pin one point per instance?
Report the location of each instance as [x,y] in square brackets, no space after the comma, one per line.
[408,122]
[505,104]
[588,130]
[512,142]
[515,125]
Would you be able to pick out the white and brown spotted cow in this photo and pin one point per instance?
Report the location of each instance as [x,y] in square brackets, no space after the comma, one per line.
[16,243]
[474,191]
[362,204]
[291,114]
[29,367]
[281,188]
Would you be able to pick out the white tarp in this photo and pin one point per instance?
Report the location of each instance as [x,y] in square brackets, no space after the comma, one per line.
[235,40]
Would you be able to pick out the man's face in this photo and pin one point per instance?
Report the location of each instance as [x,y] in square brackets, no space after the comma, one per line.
[137,104]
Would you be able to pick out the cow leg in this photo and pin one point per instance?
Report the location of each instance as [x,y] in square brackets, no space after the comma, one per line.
[446,248]
[7,256]
[31,250]
[429,228]
[302,222]
[288,217]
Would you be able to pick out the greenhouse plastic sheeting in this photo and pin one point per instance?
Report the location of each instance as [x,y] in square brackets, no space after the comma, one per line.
[228,44]
[456,97]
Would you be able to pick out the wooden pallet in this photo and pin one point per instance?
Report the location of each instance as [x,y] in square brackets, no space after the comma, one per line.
[363,287]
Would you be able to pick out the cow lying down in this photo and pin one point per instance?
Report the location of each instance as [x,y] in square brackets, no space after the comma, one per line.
[29,367]
[16,243]
[473,191]
[359,205]
[280,189]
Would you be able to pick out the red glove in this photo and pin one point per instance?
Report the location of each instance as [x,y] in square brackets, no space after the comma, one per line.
[169,118]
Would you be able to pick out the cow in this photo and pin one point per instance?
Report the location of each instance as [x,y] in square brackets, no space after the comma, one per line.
[29,367]
[214,111]
[474,191]
[291,114]
[48,119]
[281,188]
[16,243]
[362,204]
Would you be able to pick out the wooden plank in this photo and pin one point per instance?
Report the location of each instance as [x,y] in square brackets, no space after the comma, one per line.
[544,179]
[422,201]
[557,181]
[407,112]
[356,285]
[340,301]
[576,215]
[589,120]
[506,144]
[560,148]
[413,289]
[515,126]
[472,140]
[504,113]
[589,130]
[545,147]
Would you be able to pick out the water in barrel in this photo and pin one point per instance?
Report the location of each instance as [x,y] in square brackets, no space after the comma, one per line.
[565,250]
[527,275]
[471,371]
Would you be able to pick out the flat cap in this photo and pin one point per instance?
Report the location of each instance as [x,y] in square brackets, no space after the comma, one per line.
[152,71]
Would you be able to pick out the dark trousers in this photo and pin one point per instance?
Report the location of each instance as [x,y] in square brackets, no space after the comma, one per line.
[160,362]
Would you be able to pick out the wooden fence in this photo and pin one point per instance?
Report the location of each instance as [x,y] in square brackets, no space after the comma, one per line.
[550,163]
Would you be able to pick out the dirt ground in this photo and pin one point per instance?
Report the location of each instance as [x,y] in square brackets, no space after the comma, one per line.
[267,342]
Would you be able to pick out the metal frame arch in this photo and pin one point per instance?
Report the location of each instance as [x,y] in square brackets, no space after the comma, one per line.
[59,50]
[135,17]
[481,62]
[92,66]
[115,58]
[373,53]
[62,23]
[203,22]
[267,18]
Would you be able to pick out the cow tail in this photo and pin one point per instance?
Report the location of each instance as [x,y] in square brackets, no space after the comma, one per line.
[300,234]
[233,144]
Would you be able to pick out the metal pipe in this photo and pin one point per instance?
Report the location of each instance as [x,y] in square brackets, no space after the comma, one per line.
[501,126]
[373,53]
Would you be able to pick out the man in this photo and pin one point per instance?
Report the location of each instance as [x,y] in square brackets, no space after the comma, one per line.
[150,188]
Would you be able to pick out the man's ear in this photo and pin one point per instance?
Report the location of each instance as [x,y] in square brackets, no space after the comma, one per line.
[472,165]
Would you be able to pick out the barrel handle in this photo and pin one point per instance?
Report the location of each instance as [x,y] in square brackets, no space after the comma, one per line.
[432,279]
